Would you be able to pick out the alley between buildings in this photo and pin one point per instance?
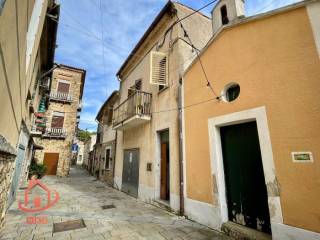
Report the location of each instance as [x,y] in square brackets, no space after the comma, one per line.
[82,197]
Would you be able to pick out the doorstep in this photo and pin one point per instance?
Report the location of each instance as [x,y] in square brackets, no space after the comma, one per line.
[163,204]
[240,232]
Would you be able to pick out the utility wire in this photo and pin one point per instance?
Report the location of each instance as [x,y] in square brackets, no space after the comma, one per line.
[196,11]
[199,58]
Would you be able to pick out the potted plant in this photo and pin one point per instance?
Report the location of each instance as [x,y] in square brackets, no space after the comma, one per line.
[37,170]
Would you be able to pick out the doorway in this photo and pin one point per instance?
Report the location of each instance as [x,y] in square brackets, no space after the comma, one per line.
[164,166]
[130,172]
[246,192]
[50,160]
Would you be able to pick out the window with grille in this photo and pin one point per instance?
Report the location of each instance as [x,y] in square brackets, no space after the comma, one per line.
[158,69]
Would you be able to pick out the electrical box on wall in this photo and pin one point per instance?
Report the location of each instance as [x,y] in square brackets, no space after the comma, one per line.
[302,157]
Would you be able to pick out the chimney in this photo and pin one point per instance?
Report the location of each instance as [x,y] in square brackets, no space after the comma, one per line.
[225,12]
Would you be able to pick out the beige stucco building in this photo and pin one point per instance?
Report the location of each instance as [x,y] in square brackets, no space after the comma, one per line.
[147,155]
[56,129]
[27,46]
[105,147]
[265,125]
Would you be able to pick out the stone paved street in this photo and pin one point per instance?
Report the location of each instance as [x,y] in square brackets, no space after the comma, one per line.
[81,197]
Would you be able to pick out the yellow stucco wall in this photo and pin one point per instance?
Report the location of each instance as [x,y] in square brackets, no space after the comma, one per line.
[275,61]
[14,22]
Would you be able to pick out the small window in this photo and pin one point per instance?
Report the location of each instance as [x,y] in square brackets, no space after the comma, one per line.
[224,15]
[231,92]
[110,115]
[107,163]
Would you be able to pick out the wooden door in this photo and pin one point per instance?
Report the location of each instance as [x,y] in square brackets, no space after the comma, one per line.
[51,162]
[247,197]
[164,172]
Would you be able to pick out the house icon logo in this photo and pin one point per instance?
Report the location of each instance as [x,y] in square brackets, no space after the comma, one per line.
[40,202]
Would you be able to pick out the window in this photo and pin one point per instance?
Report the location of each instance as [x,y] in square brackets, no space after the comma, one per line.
[159,69]
[110,115]
[63,87]
[108,158]
[231,92]
[57,120]
[224,15]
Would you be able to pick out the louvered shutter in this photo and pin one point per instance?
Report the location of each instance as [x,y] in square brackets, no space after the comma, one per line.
[159,69]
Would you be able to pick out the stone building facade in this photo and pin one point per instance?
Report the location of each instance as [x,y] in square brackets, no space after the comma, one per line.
[7,160]
[105,147]
[61,120]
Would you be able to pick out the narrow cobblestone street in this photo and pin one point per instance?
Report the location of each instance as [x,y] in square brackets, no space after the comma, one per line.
[81,197]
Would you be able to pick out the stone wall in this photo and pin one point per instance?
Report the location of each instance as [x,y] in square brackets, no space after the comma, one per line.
[7,157]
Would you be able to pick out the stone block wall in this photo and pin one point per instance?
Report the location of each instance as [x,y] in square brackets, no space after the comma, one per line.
[7,160]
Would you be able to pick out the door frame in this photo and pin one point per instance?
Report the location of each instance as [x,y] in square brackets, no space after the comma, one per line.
[258,115]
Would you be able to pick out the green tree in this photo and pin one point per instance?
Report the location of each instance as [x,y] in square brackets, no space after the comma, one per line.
[84,135]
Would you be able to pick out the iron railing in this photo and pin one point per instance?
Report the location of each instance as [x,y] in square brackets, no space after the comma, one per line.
[137,104]
[59,96]
[55,133]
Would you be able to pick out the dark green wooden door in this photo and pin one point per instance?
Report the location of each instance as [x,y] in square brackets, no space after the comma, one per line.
[245,184]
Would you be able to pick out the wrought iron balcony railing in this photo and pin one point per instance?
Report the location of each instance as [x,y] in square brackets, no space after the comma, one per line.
[59,96]
[135,108]
[55,133]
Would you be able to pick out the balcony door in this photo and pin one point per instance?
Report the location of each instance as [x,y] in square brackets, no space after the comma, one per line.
[63,87]
[57,120]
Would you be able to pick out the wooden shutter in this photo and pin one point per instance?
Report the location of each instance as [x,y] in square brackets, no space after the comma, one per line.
[57,120]
[159,69]
[63,87]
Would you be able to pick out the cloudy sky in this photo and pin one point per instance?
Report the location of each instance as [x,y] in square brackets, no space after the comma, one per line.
[124,22]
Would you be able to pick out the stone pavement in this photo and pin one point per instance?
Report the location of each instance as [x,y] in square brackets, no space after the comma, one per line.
[81,197]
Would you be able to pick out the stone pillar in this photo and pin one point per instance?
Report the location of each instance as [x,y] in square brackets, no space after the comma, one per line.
[7,160]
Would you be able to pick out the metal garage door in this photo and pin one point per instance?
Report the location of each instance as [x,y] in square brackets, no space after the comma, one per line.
[130,173]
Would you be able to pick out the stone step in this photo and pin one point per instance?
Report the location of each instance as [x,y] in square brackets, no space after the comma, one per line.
[240,232]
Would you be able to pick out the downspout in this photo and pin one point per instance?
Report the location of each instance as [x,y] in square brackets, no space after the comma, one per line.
[180,148]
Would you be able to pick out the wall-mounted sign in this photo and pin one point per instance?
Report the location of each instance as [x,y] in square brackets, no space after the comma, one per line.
[302,157]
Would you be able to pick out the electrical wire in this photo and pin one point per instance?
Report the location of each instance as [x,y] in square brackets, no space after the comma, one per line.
[199,58]
[102,37]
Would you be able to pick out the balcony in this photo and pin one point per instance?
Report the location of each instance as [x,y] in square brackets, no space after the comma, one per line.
[58,133]
[60,97]
[134,111]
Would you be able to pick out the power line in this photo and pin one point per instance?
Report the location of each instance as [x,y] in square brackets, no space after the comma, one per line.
[196,11]
[199,58]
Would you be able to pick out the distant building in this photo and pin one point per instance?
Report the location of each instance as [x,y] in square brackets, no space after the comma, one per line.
[105,147]
[27,45]
[252,157]
[55,124]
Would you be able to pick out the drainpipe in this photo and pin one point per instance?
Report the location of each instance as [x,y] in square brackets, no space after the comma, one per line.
[180,149]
